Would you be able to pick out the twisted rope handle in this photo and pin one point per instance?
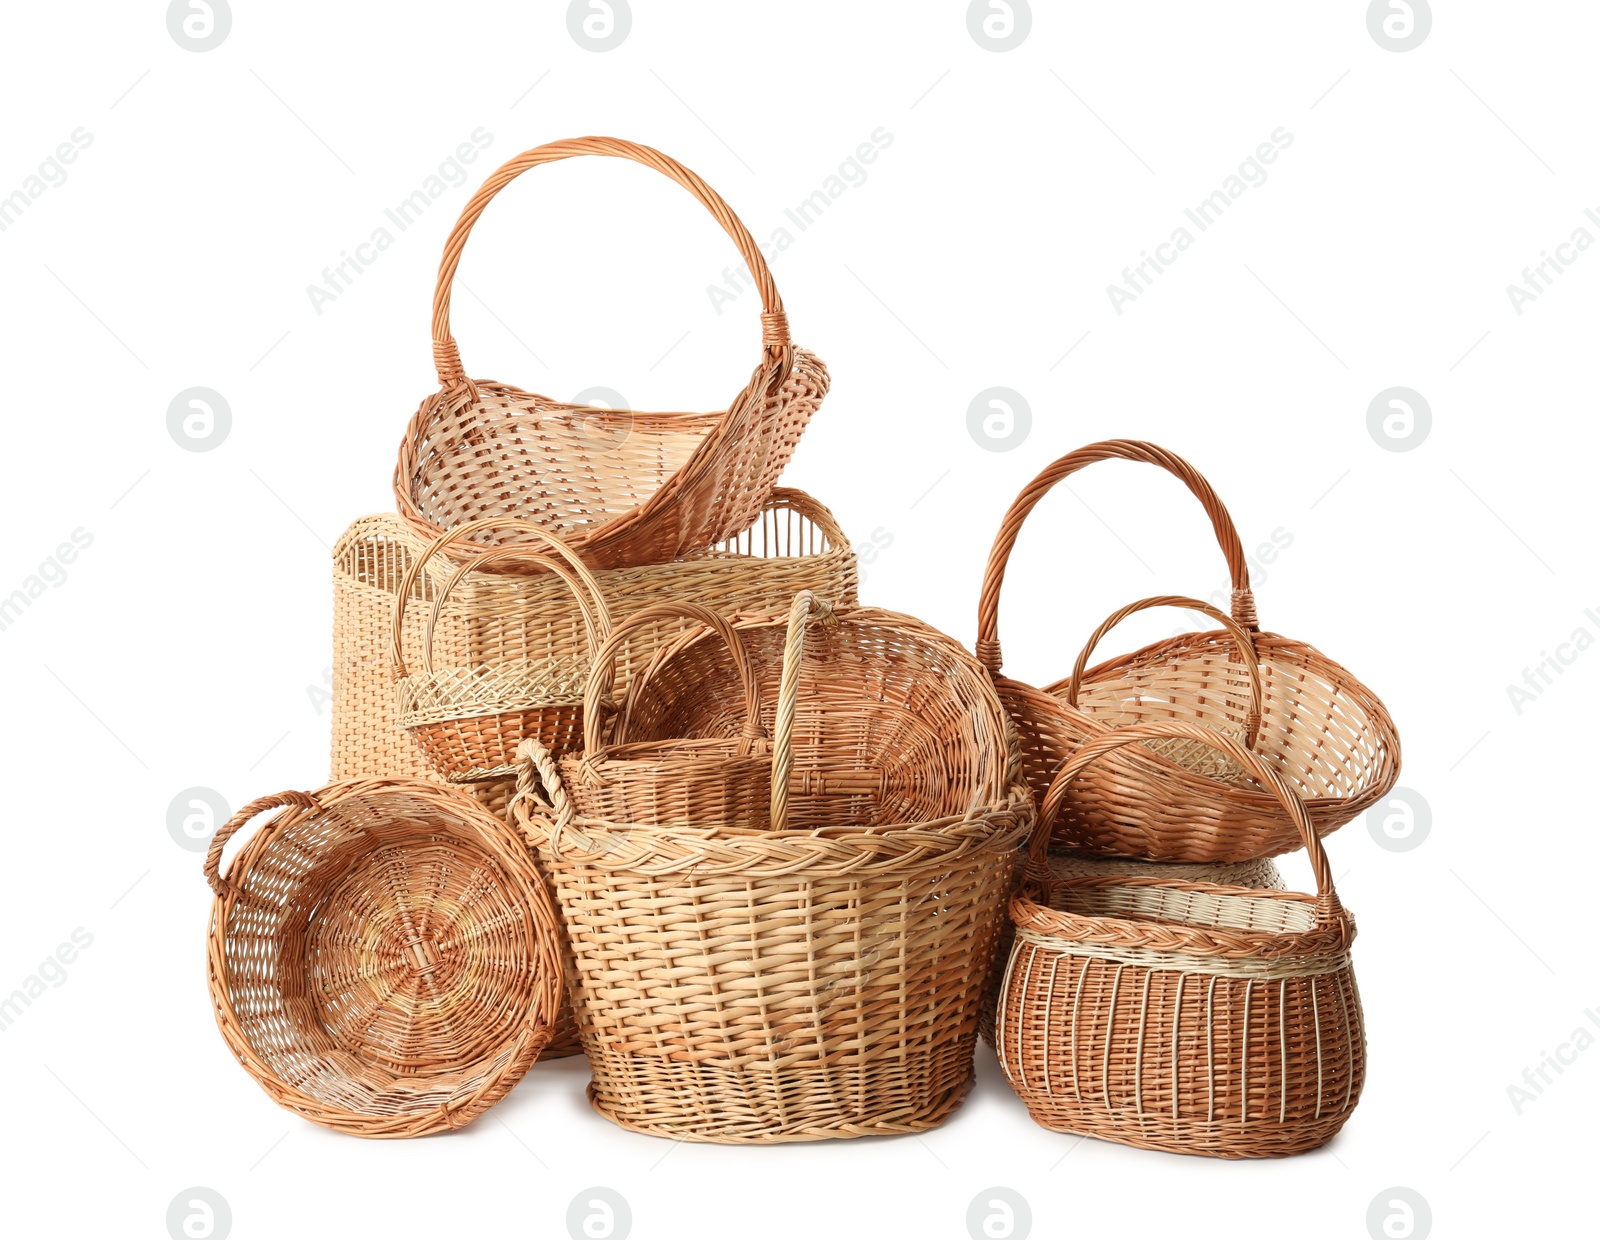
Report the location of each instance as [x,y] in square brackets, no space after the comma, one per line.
[1038,871]
[1241,638]
[602,672]
[219,840]
[1244,607]
[596,618]
[460,533]
[447,358]
[536,762]
[806,609]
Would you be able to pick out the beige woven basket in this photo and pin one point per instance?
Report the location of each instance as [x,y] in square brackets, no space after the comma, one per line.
[622,487]
[1321,728]
[496,618]
[383,957]
[754,964]
[1182,1016]
[469,720]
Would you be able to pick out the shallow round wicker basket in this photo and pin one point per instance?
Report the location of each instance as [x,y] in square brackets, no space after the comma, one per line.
[469,720]
[383,957]
[1320,728]
[1182,1016]
[623,487]
[495,618]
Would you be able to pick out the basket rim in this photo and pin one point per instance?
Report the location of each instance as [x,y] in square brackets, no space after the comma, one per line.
[1329,937]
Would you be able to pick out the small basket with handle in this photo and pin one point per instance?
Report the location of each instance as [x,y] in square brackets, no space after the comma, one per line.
[469,720]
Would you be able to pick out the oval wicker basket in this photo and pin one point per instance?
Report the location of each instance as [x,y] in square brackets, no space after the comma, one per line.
[756,965]
[1182,1016]
[383,957]
[622,487]
[1321,728]
[469,720]
[501,618]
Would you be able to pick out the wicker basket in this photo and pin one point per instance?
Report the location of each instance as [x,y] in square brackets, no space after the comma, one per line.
[894,723]
[622,487]
[754,964]
[383,957]
[1182,1016]
[1066,864]
[1323,730]
[469,720]
[497,618]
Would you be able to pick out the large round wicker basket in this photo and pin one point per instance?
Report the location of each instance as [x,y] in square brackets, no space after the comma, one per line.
[761,956]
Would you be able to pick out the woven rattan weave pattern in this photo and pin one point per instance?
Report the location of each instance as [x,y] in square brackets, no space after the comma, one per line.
[383,957]
[1182,1016]
[624,487]
[1320,728]
[498,619]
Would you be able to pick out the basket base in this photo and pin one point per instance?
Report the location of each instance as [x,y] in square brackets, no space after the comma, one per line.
[1259,1138]
[754,1130]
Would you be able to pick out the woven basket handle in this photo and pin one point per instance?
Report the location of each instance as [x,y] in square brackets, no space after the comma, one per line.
[224,833]
[1099,746]
[774,325]
[807,609]
[418,563]
[602,672]
[596,619]
[1244,607]
[1241,638]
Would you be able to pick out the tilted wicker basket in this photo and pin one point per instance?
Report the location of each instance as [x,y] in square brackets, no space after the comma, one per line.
[763,968]
[383,957]
[468,720]
[1321,728]
[1182,1016]
[504,618]
[622,487]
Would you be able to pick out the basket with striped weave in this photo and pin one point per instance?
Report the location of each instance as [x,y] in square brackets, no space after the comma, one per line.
[1182,1016]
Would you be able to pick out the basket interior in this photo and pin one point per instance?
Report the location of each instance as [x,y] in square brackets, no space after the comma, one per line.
[1233,908]
[379,957]
[1321,727]
[566,467]
[889,729]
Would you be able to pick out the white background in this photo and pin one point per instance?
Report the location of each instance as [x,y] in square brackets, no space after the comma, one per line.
[185,644]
